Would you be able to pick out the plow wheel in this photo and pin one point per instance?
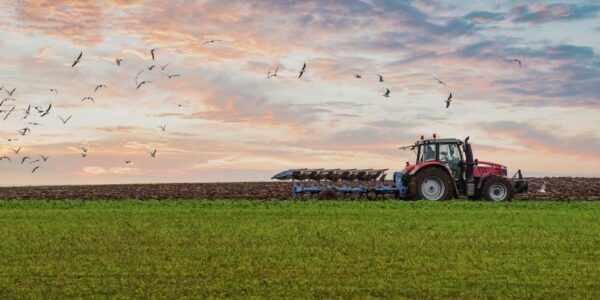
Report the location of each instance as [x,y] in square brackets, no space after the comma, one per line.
[497,188]
[431,184]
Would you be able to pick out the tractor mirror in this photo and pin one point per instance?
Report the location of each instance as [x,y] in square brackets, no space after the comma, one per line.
[476,161]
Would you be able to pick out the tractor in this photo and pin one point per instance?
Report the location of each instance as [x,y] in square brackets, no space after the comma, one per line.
[444,169]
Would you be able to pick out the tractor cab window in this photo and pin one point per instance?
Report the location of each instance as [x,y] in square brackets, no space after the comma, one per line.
[427,153]
[450,155]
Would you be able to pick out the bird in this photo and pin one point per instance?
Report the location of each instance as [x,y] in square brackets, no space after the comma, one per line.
[387,92]
[88,98]
[118,61]
[357,76]
[100,86]
[44,158]
[83,149]
[142,83]
[8,113]
[127,161]
[39,109]
[27,112]
[152,52]
[163,67]
[440,82]
[24,159]
[47,111]
[64,121]
[10,139]
[275,73]
[24,131]
[302,71]
[151,67]
[163,127]
[211,41]
[517,61]
[54,90]
[380,78]
[16,151]
[83,154]
[77,60]
[178,105]
[543,188]
[153,153]
[34,169]
[138,75]
[10,93]
[172,75]
[33,162]
[6,157]
[35,124]
[448,100]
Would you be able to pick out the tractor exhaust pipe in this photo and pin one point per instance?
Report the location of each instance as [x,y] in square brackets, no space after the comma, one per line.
[469,165]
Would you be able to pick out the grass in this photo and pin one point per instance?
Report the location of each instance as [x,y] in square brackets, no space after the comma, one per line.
[241,249]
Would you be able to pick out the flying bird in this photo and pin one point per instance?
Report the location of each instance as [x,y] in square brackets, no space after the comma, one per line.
[211,41]
[152,52]
[302,71]
[163,127]
[118,61]
[153,153]
[8,113]
[34,169]
[88,98]
[78,59]
[448,100]
[16,151]
[517,61]
[440,82]
[543,188]
[47,111]
[163,67]
[83,154]
[24,159]
[54,90]
[142,83]
[127,161]
[151,67]
[44,158]
[387,92]
[83,149]
[10,93]
[172,75]
[380,78]
[35,124]
[178,105]
[6,157]
[33,162]
[24,131]
[357,76]
[100,86]
[64,121]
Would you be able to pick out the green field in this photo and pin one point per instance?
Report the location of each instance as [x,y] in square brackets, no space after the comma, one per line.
[174,249]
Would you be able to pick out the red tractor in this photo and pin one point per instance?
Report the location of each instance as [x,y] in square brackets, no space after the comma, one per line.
[445,168]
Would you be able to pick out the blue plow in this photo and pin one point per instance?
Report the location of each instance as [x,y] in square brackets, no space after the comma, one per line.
[359,183]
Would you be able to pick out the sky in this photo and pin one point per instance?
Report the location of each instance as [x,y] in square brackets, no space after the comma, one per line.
[235,124]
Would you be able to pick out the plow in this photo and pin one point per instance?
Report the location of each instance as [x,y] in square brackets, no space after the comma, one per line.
[345,182]
[444,169]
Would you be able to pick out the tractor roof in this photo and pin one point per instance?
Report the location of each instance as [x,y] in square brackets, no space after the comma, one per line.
[432,141]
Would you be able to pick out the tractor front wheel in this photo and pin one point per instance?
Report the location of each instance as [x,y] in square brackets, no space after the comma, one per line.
[497,188]
[431,184]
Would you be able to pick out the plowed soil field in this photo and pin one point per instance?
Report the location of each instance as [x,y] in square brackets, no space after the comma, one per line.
[558,188]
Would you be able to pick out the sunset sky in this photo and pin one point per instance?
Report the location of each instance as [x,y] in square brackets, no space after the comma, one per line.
[237,125]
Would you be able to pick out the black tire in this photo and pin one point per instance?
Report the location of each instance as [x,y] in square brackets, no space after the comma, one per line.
[497,188]
[425,176]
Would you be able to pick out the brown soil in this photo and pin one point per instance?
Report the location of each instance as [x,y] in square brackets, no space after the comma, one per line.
[558,188]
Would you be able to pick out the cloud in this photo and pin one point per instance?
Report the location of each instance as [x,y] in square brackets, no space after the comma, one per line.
[539,13]
[483,17]
[535,139]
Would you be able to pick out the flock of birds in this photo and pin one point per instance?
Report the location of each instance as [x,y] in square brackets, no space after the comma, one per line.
[8,111]
[45,111]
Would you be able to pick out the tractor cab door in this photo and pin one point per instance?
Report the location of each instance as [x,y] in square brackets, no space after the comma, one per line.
[451,156]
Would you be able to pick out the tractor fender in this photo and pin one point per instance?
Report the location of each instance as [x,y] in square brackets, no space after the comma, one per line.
[484,178]
[441,167]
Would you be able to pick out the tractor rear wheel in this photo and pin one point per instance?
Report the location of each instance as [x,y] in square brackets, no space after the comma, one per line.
[431,184]
[497,188]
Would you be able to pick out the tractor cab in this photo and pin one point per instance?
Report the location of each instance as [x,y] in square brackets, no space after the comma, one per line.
[444,151]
